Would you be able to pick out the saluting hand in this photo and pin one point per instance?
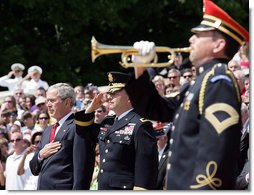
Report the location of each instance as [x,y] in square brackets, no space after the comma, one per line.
[97,101]
[49,149]
[10,73]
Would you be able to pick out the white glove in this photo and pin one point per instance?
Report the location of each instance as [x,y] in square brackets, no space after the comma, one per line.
[146,52]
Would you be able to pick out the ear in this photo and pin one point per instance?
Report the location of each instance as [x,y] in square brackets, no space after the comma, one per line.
[219,45]
[67,101]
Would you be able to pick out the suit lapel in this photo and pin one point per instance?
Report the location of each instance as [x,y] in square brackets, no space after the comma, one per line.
[60,134]
[164,156]
[118,124]
[64,128]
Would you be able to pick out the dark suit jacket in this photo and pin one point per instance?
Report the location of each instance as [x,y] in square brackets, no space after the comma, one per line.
[71,167]
[241,183]
[162,169]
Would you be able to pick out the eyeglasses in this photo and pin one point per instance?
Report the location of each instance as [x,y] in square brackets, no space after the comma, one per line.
[45,118]
[185,76]
[15,140]
[7,101]
[173,77]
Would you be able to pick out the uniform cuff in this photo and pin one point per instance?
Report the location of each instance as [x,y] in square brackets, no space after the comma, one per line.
[84,119]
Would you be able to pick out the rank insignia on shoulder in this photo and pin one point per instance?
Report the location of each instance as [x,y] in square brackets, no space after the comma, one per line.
[220,124]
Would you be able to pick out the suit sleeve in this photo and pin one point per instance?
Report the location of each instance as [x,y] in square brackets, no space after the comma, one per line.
[241,183]
[146,161]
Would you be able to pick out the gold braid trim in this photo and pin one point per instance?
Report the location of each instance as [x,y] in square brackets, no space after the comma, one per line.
[202,90]
[209,178]
[138,188]
[230,73]
[84,124]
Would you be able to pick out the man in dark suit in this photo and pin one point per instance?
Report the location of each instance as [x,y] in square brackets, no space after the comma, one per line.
[128,150]
[205,140]
[163,137]
[63,160]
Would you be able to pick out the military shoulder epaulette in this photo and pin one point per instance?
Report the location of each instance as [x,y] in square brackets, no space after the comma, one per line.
[218,72]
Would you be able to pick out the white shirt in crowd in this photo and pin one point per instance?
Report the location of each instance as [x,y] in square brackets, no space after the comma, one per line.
[5,81]
[30,179]
[31,86]
[13,180]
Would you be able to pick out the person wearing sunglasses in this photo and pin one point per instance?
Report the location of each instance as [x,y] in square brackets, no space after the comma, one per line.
[42,120]
[174,77]
[13,181]
[186,76]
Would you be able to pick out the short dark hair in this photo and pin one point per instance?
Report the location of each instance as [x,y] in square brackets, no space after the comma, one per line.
[26,114]
[34,136]
[232,46]
[104,109]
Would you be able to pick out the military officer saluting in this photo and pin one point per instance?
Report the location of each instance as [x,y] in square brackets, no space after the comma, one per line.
[204,147]
[128,149]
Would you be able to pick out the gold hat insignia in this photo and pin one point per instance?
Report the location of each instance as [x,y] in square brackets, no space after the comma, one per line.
[110,77]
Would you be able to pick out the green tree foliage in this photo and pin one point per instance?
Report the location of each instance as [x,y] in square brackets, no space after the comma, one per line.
[56,34]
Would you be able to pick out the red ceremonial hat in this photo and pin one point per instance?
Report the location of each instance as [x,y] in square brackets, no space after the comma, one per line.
[216,18]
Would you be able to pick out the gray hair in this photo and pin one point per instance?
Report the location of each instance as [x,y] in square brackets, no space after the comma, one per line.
[64,91]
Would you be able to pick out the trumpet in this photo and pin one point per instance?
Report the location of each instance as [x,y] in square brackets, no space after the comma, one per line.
[98,49]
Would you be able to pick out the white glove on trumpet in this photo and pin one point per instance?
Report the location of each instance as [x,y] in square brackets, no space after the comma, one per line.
[146,52]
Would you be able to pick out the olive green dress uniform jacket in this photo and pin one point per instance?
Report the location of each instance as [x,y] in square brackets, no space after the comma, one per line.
[204,148]
[128,153]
